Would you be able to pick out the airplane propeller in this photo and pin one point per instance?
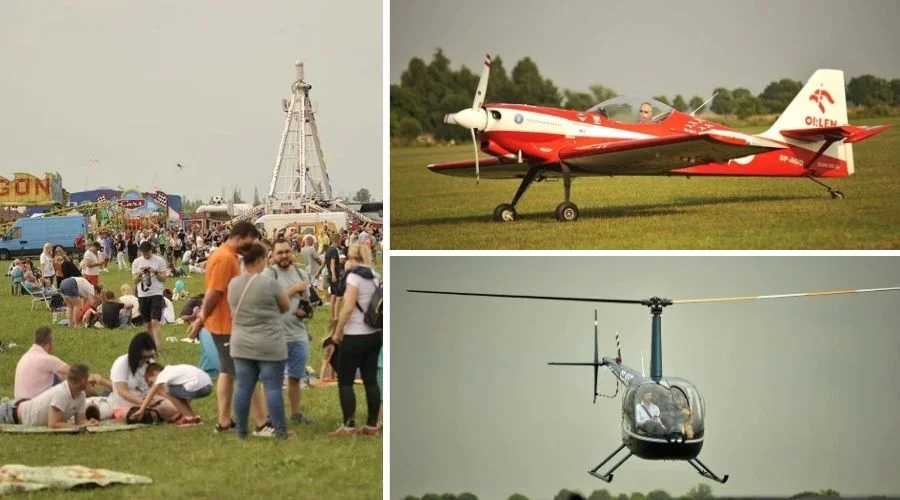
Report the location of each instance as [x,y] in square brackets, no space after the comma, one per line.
[476,117]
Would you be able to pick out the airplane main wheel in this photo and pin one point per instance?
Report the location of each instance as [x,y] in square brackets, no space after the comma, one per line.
[566,212]
[836,195]
[505,213]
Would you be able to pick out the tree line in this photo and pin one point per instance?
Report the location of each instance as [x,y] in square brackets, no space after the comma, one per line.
[427,92]
[699,492]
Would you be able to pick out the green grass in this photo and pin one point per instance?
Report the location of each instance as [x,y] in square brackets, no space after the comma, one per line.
[190,461]
[430,211]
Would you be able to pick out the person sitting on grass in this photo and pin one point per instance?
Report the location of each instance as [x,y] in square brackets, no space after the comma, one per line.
[39,370]
[54,407]
[180,384]
[114,314]
[90,315]
[127,297]
[191,310]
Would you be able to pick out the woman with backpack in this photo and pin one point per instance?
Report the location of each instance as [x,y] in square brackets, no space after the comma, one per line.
[359,337]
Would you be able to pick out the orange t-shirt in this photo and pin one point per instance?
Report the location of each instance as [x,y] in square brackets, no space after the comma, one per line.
[221,267]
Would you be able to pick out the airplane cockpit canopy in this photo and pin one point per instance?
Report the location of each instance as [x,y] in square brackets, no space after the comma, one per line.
[627,109]
[659,410]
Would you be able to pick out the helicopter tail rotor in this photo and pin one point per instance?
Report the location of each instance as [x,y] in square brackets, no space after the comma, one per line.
[596,363]
[596,358]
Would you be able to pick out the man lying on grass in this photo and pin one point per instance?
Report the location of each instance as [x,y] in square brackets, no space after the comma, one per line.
[180,384]
[54,407]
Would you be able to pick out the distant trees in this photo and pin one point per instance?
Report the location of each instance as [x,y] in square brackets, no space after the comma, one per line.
[362,196]
[428,91]
[700,492]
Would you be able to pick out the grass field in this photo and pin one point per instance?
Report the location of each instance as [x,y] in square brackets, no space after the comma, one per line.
[191,461]
[430,211]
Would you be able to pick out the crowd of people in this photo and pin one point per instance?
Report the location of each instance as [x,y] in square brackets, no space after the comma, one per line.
[251,321]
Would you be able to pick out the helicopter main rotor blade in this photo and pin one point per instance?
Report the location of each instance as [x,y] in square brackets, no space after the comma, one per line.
[783,296]
[537,297]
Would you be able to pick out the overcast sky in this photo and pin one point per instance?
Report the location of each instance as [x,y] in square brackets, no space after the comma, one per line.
[800,393]
[142,86]
[654,47]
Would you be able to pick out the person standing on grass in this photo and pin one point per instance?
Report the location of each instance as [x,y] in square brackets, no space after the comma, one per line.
[75,292]
[90,264]
[215,320]
[258,345]
[359,343]
[295,284]
[149,272]
[48,271]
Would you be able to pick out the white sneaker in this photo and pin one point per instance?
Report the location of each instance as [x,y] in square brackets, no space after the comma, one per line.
[266,431]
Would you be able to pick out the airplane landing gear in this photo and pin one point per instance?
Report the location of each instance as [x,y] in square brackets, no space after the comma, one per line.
[505,213]
[566,212]
[836,194]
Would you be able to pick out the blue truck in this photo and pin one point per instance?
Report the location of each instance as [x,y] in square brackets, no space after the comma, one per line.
[27,236]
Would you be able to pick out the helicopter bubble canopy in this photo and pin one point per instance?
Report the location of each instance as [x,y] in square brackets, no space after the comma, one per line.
[626,109]
[670,409]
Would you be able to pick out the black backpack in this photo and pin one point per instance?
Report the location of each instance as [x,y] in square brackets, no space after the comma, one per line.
[373,314]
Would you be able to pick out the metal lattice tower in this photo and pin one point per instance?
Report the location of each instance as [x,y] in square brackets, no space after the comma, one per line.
[299,176]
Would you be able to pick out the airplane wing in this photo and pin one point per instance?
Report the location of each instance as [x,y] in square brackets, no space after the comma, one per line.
[658,155]
[491,168]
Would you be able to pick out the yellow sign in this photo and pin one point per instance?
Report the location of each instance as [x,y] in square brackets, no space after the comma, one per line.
[25,190]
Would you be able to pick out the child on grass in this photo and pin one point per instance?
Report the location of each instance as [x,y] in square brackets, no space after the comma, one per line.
[180,384]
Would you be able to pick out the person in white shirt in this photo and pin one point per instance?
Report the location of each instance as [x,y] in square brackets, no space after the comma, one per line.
[129,384]
[149,271]
[90,264]
[646,416]
[180,384]
[47,269]
[75,292]
[54,407]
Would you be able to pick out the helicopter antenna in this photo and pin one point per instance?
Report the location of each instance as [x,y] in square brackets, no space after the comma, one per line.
[618,348]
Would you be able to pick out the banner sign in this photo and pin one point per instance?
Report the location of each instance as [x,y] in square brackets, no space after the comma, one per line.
[25,189]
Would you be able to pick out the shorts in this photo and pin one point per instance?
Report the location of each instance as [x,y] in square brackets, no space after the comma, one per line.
[151,307]
[298,354]
[178,391]
[92,279]
[226,364]
[69,288]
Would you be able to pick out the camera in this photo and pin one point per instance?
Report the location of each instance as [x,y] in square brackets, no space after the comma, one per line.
[304,310]
[147,279]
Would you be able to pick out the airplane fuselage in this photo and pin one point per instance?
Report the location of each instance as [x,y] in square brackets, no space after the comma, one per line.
[538,134]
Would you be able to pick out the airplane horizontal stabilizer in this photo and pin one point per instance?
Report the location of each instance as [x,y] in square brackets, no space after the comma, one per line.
[848,133]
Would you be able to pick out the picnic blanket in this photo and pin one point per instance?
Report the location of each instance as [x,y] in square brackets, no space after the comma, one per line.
[104,427]
[15,478]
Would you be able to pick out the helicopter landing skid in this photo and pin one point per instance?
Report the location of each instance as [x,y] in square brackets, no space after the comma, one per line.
[705,472]
[608,477]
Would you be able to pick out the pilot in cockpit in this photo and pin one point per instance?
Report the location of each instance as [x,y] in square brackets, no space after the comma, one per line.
[645,111]
[646,416]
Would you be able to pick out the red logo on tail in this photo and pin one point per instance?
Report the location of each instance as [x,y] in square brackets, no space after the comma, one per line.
[819,97]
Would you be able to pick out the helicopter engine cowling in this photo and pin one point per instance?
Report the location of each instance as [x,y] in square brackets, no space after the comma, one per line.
[663,421]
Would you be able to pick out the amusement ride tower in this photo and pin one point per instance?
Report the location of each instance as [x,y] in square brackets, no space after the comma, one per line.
[299,179]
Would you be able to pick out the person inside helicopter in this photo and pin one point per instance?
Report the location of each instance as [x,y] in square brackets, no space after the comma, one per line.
[685,415]
[646,416]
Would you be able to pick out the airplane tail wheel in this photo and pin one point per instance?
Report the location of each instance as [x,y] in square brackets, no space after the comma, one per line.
[836,195]
[505,213]
[566,212]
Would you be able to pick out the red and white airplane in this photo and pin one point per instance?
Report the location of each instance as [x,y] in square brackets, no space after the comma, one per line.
[632,136]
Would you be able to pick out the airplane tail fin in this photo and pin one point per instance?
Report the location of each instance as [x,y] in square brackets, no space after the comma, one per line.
[819,108]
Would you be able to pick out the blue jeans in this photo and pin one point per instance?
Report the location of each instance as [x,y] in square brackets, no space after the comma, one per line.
[247,372]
